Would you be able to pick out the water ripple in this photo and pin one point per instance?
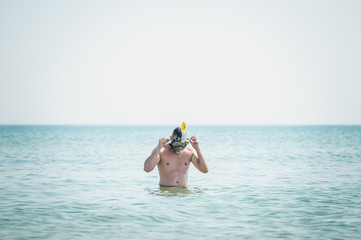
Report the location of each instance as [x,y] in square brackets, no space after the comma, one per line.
[264,183]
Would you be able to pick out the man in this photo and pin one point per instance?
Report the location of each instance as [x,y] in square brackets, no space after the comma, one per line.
[173,159]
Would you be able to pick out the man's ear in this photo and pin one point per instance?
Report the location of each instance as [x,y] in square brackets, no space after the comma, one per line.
[171,138]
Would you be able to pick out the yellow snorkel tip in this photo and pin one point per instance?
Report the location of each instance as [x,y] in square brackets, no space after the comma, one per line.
[184,126]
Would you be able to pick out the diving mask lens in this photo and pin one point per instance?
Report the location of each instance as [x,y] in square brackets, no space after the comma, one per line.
[178,144]
[180,141]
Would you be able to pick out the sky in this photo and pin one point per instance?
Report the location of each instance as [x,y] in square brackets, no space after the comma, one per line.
[223,62]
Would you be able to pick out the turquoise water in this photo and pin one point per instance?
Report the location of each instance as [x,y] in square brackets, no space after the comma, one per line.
[83,182]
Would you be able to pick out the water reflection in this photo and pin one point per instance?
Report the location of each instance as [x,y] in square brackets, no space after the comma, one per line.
[176,191]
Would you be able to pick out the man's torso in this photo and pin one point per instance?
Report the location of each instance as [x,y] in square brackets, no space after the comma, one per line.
[173,167]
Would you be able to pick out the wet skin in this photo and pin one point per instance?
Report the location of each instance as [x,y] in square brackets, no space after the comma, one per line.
[173,167]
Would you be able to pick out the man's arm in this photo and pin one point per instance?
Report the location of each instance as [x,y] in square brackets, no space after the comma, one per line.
[198,160]
[154,158]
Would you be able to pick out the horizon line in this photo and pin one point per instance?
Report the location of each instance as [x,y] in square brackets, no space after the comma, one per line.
[158,125]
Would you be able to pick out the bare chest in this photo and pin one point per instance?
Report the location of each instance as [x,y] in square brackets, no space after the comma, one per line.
[171,160]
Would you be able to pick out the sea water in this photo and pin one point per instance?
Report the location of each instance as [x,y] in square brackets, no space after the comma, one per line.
[264,182]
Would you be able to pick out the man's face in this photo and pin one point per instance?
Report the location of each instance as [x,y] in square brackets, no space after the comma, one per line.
[178,146]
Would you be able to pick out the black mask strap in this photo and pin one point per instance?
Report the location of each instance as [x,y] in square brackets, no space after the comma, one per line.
[171,147]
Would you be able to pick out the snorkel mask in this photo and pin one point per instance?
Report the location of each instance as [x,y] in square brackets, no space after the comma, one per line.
[180,140]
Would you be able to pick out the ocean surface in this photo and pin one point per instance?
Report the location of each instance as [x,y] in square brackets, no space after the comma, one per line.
[265,182]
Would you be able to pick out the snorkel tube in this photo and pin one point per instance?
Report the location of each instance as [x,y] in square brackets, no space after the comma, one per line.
[184,132]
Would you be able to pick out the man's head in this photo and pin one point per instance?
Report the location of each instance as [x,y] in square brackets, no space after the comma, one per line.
[179,140]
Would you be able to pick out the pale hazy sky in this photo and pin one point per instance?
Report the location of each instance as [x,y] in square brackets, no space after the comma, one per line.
[164,62]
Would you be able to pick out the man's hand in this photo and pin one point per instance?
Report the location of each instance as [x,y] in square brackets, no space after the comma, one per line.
[154,158]
[194,141]
[198,159]
[162,142]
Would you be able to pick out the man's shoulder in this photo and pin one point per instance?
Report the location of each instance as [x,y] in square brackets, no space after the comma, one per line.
[164,149]
[190,149]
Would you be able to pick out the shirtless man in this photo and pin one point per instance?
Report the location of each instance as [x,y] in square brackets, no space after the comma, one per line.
[173,160]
